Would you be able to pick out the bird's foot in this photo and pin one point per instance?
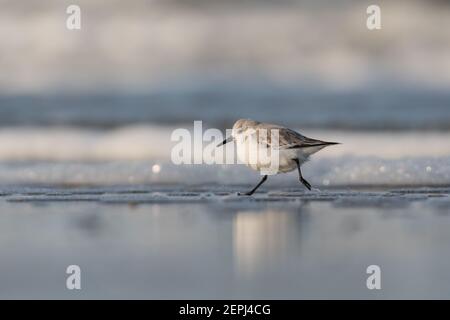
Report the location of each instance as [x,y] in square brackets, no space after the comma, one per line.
[306,184]
[244,193]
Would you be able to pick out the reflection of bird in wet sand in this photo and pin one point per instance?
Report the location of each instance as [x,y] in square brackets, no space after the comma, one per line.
[291,148]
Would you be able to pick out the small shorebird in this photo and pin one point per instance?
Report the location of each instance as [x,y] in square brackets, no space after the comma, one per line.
[292,148]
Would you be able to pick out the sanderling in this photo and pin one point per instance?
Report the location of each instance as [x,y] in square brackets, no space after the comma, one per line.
[292,148]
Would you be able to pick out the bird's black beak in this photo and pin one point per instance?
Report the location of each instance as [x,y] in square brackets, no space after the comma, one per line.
[229,139]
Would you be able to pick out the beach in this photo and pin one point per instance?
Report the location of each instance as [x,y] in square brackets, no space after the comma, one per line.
[111,201]
[194,243]
[88,175]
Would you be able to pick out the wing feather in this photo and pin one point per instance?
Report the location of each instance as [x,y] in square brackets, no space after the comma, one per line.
[288,139]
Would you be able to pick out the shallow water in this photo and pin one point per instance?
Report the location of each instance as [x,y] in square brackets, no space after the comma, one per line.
[206,242]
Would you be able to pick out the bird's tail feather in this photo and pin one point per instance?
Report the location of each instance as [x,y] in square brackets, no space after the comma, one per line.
[318,144]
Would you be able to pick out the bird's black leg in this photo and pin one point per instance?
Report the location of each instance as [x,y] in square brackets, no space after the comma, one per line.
[254,189]
[306,183]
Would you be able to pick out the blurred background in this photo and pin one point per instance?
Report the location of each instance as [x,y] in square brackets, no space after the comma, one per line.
[114,91]
[86,175]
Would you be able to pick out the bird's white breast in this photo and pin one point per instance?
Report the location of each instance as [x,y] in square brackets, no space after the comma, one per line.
[260,157]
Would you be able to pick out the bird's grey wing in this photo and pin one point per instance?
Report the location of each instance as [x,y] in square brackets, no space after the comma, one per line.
[287,138]
[290,139]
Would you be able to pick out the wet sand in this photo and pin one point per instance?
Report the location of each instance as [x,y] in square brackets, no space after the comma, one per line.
[206,242]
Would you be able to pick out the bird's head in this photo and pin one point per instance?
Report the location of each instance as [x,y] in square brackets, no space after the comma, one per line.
[239,126]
